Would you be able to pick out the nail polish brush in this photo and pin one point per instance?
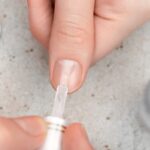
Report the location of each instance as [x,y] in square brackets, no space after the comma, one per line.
[56,123]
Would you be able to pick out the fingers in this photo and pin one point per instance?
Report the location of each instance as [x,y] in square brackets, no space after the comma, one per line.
[26,133]
[75,138]
[114,21]
[72,42]
[109,35]
[40,16]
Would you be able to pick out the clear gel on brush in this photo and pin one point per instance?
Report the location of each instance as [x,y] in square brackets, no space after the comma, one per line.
[60,100]
[56,123]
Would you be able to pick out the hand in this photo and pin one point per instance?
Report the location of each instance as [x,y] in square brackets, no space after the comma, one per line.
[28,133]
[73,33]
[75,138]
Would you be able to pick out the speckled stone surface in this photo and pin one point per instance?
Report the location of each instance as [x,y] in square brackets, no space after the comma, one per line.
[107,104]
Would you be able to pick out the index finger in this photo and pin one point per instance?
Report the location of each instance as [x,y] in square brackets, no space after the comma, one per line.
[72,41]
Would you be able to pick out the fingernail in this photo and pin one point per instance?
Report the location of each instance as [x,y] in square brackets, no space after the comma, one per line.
[67,72]
[34,126]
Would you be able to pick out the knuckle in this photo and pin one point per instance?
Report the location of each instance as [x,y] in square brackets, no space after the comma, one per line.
[70,31]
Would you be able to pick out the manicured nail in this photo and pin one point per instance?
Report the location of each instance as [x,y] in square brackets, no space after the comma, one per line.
[67,72]
[34,126]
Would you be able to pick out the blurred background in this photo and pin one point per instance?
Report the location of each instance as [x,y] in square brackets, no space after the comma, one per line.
[107,105]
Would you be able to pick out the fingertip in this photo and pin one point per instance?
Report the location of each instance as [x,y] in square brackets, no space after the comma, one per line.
[76,129]
[35,126]
[67,72]
[76,137]
[75,126]
[21,133]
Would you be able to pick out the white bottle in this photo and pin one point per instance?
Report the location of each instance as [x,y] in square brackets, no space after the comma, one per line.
[56,128]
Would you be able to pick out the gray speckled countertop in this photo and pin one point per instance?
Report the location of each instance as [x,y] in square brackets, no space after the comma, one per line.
[108,102]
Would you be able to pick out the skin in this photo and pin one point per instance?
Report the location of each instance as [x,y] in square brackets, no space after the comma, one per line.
[17,132]
[88,30]
[83,37]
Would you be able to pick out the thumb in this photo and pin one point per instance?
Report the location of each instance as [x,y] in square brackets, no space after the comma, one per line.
[72,42]
[25,133]
[75,138]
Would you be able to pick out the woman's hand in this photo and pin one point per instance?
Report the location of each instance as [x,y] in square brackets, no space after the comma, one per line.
[79,33]
[75,138]
[28,133]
